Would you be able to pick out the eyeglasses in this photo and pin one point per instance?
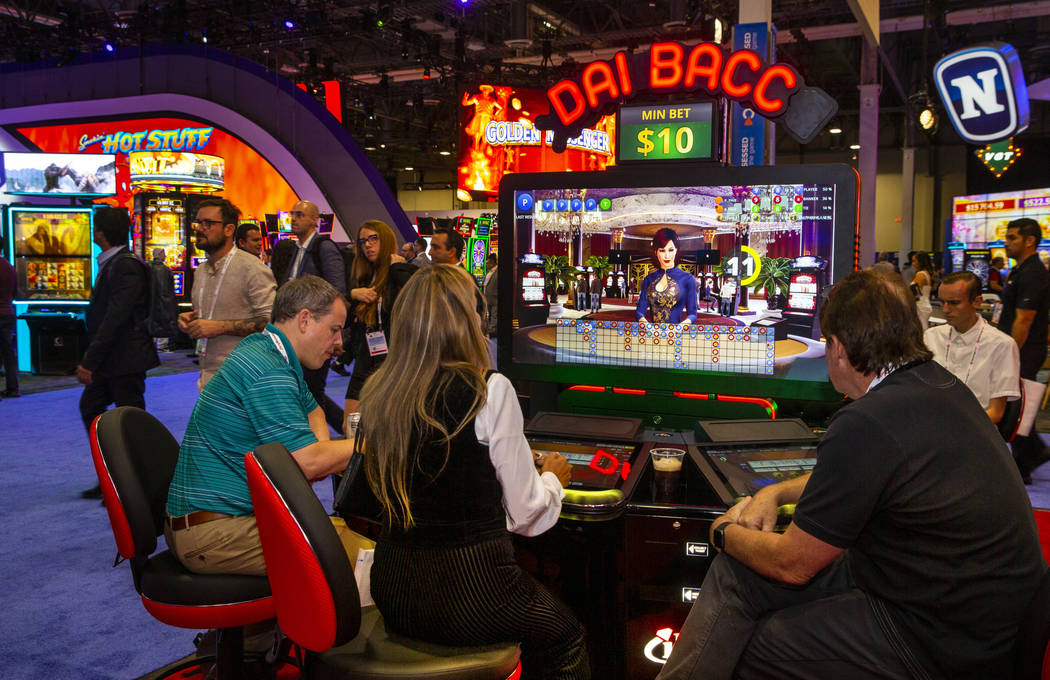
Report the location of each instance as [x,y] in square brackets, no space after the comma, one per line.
[368,240]
[207,224]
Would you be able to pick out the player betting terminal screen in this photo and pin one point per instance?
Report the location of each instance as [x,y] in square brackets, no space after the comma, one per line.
[746,470]
[675,322]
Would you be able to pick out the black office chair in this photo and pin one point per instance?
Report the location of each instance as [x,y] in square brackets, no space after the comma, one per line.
[316,598]
[1031,661]
[134,456]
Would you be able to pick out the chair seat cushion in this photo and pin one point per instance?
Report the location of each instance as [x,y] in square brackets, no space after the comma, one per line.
[179,597]
[378,654]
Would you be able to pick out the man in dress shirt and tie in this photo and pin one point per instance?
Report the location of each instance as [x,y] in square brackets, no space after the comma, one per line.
[319,256]
[980,355]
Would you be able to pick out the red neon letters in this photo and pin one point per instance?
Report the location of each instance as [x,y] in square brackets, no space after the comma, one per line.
[672,67]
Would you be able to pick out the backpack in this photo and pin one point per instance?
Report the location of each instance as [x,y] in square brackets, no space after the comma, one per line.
[347,253]
[161,314]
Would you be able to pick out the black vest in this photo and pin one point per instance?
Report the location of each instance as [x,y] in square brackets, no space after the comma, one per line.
[455,499]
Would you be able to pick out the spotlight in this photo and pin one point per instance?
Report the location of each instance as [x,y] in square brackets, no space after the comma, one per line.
[835,130]
[409,168]
[928,119]
[204,39]
[854,147]
[109,47]
[444,152]
[288,24]
[464,195]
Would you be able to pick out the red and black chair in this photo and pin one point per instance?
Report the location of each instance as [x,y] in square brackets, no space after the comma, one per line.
[134,456]
[316,598]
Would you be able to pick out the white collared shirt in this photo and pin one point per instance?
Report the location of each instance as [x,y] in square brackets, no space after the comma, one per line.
[983,357]
[106,255]
[300,255]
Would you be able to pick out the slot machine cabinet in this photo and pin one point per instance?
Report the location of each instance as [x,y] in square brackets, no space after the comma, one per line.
[530,299]
[477,250]
[802,316]
[977,260]
[165,223]
[956,257]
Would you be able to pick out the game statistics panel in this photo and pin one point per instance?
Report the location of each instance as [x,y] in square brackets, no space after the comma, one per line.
[731,349]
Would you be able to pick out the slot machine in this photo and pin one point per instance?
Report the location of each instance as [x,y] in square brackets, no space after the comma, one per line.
[977,260]
[803,308]
[956,257]
[165,224]
[530,304]
[477,249]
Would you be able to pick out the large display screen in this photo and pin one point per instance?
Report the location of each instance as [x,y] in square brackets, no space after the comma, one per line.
[982,218]
[52,253]
[159,170]
[497,137]
[730,324]
[60,174]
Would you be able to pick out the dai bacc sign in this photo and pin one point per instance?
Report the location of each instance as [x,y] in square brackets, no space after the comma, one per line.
[668,67]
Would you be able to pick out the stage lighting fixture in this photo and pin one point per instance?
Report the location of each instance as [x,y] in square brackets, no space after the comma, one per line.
[464,195]
[288,24]
[109,47]
[928,119]
[854,147]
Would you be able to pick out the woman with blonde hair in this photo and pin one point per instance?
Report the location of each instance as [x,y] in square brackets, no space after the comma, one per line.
[446,457]
[378,273]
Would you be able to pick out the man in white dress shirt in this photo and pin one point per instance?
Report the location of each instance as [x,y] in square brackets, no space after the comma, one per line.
[980,355]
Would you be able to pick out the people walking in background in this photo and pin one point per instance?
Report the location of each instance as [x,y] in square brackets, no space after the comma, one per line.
[318,256]
[908,269]
[995,276]
[1026,312]
[419,248]
[232,290]
[249,238]
[8,287]
[163,311]
[120,351]
[921,285]
[490,287]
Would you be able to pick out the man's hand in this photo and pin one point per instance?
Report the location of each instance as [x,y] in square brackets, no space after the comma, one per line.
[365,295]
[203,328]
[761,512]
[556,463]
[184,320]
[83,375]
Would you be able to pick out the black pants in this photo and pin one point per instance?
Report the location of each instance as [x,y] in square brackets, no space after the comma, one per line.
[1029,452]
[315,380]
[7,351]
[478,595]
[119,390]
[745,626]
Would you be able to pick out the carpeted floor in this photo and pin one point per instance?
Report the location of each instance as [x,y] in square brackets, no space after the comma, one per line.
[67,613]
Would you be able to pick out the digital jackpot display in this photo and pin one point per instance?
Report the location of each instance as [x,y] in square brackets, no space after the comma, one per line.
[980,219]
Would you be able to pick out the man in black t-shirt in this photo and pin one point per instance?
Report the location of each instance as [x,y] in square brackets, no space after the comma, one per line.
[913,552]
[1026,312]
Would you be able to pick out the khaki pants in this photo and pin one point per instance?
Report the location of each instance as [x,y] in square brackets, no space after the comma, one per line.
[231,545]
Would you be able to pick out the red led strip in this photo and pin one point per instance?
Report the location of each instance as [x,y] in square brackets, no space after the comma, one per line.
[587,388]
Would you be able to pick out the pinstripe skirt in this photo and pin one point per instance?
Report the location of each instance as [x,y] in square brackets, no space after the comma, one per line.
[477,595]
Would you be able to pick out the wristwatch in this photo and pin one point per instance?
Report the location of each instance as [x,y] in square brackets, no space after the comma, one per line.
[718,536]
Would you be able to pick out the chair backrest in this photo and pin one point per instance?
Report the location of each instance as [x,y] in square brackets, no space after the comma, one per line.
[134,456]
[314,591]
[1034,635]
[1011,419]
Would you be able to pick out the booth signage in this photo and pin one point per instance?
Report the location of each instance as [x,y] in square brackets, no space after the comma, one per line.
[984,92]
[668,67]
[999,156]
[748,129]
[658,649]
[179,139]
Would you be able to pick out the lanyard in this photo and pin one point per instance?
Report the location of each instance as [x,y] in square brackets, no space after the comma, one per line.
[218,283]
[973,357]
[277,343]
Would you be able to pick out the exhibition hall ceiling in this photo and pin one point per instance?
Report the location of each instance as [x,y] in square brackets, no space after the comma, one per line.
[404,67]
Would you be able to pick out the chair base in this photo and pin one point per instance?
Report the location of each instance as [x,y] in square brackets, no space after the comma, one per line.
[376,654]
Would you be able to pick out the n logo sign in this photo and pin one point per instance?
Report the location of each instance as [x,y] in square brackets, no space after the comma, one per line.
[984,92]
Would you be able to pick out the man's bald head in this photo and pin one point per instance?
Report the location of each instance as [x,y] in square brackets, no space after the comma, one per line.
[304,218]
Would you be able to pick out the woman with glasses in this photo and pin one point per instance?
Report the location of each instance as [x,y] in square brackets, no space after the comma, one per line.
[377,275]
[446,457]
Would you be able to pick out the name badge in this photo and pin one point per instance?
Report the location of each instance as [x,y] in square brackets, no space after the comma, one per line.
[376,343]
[202,347]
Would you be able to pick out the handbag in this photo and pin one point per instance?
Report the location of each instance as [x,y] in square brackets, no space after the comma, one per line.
[353,495]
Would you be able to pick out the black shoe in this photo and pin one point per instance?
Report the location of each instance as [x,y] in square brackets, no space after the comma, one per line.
[11,394]
[92,493]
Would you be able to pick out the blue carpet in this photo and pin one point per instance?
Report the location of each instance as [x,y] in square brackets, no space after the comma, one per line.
[67,612]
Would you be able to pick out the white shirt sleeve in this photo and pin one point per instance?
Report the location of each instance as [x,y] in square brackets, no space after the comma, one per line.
[532,501]
[1006,369]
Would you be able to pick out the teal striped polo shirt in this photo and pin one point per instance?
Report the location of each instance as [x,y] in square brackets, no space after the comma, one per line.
[256,397]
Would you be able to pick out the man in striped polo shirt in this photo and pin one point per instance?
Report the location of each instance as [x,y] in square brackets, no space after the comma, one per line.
[257,396]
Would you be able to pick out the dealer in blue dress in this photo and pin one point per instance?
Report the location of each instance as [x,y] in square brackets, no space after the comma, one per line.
[668,294]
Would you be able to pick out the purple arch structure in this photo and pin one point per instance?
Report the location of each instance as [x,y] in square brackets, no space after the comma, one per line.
[295,133]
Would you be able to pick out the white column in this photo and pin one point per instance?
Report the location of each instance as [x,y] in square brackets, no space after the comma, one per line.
[867,157]
[907,201]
